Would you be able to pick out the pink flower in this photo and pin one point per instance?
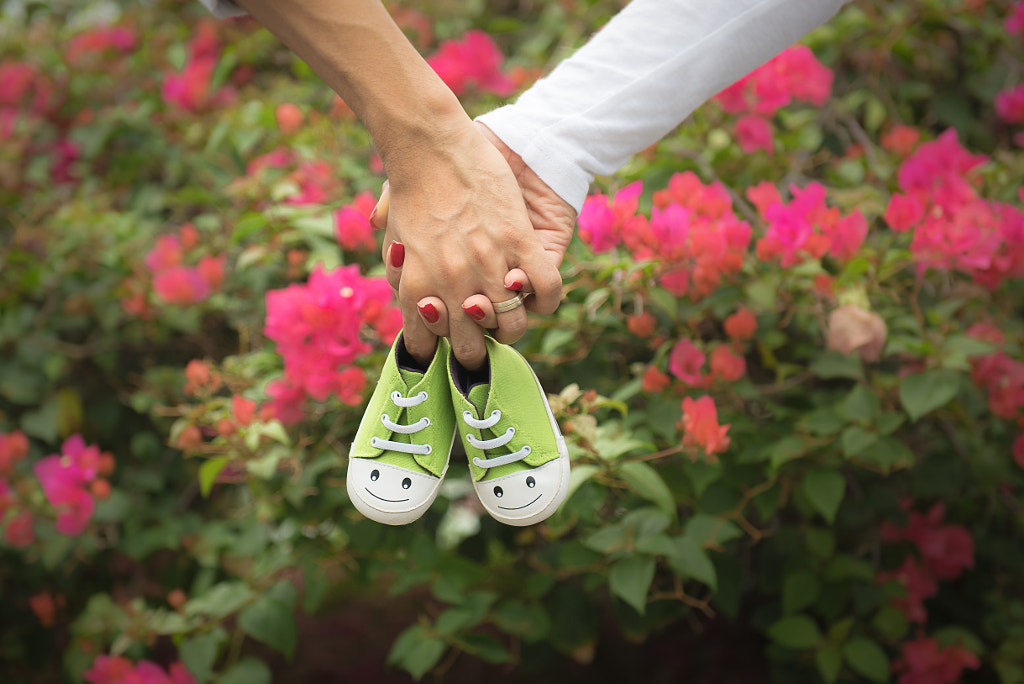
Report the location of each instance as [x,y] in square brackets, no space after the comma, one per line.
[181,285]
[685,362]
[848,235]
[754,133]
[1010,105]
[1015,20]
[190,90]
[794,74]
[166,253]
[287,403]
[120,670]
[922,662]
[701,428]
[353,229]
[603,220]
[903,212]
[65,479]
[319,327]
[211,269]
[472,62]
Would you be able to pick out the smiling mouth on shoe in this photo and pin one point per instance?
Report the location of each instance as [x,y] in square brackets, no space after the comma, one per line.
[392,500]
[516,508]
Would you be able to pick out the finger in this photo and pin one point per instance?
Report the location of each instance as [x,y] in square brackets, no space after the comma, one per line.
[394,259]
[379,215]
[506,327]
[545,281]
[467,340]
[435,315]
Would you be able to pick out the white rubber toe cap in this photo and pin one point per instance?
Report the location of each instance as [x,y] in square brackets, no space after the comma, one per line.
[387,493]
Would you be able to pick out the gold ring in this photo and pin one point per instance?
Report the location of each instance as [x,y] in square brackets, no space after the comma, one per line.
[510,304]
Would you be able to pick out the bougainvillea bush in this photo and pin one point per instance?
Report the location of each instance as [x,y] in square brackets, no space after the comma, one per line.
[788,362]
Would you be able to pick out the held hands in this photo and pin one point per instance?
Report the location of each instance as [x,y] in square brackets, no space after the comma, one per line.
[473,227]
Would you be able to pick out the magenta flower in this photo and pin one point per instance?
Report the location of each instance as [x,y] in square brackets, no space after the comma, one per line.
[473,62]
[685,362]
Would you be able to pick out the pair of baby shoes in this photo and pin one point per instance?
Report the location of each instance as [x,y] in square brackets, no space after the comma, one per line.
[517,455]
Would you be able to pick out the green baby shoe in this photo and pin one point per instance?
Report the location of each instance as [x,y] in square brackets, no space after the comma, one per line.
[517,455]
[400,452]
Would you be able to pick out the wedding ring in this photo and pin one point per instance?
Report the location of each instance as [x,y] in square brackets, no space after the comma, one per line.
[510,304]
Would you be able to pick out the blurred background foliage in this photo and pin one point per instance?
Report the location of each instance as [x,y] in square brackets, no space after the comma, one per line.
[161,172]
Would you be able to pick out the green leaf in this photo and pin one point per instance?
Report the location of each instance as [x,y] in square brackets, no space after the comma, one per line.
[578,475]
[220,600]
[416,652]
[485,647]
[856,439]
[630,579]
[924,392]
[860,405]
[208,473]
[891,623]
[646,482]
[690,559]
[200,653]
[834,365]
[825,490]
[866,657]
[799,590]
[248,670]
[528,621]
[829,660]
[270,621]
[797,632]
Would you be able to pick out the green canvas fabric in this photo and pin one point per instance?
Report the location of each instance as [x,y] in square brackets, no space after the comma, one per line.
[515,391]
[438,408]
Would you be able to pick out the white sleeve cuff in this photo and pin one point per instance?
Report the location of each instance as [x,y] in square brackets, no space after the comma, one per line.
[223,9]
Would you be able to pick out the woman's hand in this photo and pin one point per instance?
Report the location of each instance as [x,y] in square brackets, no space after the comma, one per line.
[457,211]
[478,243]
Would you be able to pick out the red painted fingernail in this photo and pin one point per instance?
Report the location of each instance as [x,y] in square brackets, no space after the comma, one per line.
[516,285]
[373,215]
[429,313]
[475,312]
[397,254]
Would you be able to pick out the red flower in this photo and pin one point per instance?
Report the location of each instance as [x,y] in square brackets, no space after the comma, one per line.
[13,448]
[741,325]
[19,532]
[726,364]
[655,381]
[701,428]
[181,285]
[923,662]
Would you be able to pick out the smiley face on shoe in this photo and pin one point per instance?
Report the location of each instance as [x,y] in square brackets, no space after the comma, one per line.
[387,488]
[523,497]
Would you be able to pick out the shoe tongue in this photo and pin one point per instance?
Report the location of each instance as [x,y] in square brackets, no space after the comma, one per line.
[478,396]
[410,376]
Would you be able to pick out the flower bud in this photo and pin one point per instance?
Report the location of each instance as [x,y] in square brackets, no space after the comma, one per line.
[852,329]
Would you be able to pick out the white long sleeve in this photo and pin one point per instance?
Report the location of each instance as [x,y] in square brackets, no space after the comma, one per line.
[223,8]
[639,77]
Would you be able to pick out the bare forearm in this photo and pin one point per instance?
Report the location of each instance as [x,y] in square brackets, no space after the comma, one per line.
[355,47]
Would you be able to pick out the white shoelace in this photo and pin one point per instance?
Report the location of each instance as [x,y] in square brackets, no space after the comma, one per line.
[500,440]
[389,445]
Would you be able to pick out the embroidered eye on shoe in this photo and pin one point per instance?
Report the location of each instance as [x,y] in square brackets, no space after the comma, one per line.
[400,452]
[517,455]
